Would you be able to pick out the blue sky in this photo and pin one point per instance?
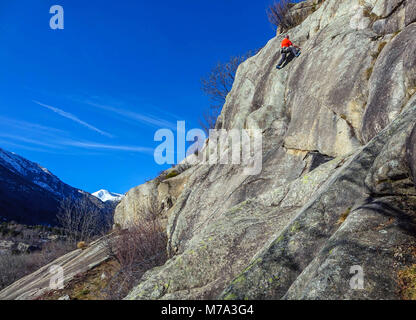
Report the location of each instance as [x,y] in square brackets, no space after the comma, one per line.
[85,101]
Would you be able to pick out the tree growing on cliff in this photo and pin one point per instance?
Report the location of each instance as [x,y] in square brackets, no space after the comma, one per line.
[217,84]
[280,16]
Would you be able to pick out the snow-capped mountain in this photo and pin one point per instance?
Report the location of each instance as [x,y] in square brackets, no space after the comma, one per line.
[31,194]
[105,195]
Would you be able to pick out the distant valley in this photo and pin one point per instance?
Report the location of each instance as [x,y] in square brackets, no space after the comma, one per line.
[31,194]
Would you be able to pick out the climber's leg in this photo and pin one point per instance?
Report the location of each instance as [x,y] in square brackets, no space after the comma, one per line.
[282,59]
[294,51]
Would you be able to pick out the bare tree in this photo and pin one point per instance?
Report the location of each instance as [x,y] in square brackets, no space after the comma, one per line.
[279,15]
[217,84]
[80,220]
[209,119]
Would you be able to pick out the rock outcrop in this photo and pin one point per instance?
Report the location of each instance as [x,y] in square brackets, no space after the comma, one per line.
[336,196]
[295,230]
[155,197]
[47,278]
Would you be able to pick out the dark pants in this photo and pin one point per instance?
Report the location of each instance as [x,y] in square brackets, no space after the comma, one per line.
[285,53]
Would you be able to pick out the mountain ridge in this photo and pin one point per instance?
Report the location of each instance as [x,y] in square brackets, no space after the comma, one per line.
[30,193]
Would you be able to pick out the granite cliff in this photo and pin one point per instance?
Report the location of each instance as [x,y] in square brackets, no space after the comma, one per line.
[336,193]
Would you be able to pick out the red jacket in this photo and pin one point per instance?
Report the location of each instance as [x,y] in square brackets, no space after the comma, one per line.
[286,43]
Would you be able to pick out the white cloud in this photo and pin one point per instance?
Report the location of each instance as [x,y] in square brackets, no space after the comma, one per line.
[146,119]
[30,126]
[74,118]
[94,145]
[30,141]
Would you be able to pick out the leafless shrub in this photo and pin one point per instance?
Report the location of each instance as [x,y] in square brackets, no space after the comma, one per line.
[217,84]
[15,266]
[12,267]
[279,15]
[80,220]
[137,249]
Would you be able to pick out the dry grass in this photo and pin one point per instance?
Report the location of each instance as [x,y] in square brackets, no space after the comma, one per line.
[407,282]
[396,33]
[368,14]
[344,216]
[81,245]
[90,285]
[374,55]
[380,48]
[132,252]
[368,11]
[369,72]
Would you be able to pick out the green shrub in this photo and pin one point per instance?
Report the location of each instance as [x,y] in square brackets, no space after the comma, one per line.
[172,174]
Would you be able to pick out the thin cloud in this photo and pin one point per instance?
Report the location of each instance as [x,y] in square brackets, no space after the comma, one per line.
[94,145]
[20,146]
[30,126]
[74,118]
[146,119]
[30,141]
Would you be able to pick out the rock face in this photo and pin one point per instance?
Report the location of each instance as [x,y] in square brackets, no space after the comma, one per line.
[42,281]
[332,215]
[396,65]
[363,216]
[295,230]
[392,16]
[155,197]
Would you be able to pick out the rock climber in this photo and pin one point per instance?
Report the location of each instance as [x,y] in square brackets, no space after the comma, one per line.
[287,48]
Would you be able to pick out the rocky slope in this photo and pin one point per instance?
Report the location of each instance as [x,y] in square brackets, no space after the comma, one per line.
[295,230]
[30,194]
[337,188]
[74,264]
